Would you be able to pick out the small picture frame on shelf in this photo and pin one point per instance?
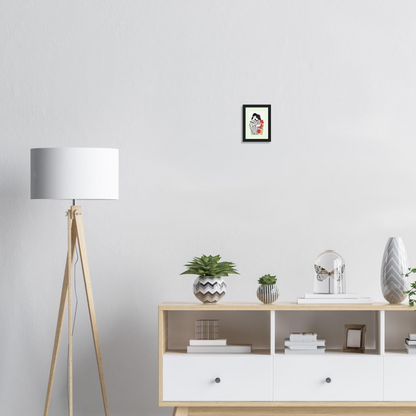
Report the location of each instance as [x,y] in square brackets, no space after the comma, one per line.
[257,123]
[354,338]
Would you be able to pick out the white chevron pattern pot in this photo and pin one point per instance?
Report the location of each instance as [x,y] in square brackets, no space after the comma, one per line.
[209,289]
[393,269]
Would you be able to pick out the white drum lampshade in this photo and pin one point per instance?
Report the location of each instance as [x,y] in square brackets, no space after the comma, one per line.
[74,173]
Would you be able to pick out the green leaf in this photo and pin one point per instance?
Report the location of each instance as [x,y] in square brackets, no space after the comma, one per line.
[267,279]
[210,266]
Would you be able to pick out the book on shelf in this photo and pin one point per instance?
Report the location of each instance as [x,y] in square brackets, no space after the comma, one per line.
[331,296]
[219,349]
[301,347]
[207,342]
[410,342]
[411,337]
[410,349]
[367,301]
[304,344]
[319,350]
[303,336]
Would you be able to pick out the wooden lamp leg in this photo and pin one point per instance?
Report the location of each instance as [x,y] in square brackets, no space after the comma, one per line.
[75,231]
[87,282]
[60,320]
[69,274]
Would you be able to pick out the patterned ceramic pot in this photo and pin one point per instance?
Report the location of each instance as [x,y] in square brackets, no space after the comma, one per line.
[393,269]
[209,289]
[267,293]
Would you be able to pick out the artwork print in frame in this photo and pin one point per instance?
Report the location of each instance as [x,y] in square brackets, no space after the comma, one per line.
[257,123]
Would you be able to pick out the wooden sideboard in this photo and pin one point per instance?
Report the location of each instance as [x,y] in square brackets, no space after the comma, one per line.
[379,382]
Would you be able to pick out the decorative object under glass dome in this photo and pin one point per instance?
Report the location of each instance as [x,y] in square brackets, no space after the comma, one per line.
[329,273]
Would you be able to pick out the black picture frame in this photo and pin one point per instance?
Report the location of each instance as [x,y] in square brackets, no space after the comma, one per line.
[267,125]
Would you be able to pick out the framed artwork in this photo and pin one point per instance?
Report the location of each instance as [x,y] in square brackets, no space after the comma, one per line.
[354,338]
[257,123]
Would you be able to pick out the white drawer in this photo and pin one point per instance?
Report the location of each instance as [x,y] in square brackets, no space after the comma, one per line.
[357,377]
[399,378]
[191,377]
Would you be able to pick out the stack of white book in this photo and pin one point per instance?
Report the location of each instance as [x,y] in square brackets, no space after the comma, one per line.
[311,298]
[410,343]
[216,346]
[304,343]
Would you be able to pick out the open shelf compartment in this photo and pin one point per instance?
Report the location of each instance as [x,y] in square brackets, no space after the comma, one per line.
[330,327]
[397,325]
[237,327]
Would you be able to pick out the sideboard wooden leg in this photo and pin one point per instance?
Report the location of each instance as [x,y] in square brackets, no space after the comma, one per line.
[180,411]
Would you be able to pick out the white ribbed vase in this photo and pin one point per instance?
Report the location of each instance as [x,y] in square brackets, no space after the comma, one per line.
[209,289]
[267,293]
[393,269]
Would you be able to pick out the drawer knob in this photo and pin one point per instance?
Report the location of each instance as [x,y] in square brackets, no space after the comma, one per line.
[328,380]
[218,380]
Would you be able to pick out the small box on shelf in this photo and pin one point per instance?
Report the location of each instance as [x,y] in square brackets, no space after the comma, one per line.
[207,329]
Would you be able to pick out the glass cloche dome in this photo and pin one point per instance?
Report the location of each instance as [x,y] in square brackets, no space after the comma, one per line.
[329,273]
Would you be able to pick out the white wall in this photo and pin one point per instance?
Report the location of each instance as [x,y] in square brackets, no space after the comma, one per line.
[164,81]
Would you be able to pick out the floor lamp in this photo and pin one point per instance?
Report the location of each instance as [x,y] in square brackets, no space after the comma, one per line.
[74,173]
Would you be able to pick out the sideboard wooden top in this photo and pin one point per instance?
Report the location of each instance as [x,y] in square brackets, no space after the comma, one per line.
[280,306]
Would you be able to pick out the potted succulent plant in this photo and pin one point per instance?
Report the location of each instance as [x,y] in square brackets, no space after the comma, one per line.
[209,286]
[267,291]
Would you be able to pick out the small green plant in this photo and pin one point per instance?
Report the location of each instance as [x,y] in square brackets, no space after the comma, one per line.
[210,266]
[412,291]
[267,280]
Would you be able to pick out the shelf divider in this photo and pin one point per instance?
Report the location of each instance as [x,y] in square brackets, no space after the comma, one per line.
[381,332]
[272,332]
